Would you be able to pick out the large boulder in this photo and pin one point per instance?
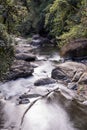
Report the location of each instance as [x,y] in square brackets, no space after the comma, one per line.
[25,56]
[44,81]
[69,71]
[74,75]
[19,69]
[75,49]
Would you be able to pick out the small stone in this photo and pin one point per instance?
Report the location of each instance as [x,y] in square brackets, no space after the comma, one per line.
[24,101]
[44,81]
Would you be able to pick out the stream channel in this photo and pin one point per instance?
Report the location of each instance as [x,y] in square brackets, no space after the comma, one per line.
[53,107]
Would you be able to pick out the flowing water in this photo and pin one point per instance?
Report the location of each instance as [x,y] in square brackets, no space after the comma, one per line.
[55,108]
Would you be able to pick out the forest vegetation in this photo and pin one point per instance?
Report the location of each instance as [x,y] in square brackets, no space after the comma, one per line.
[63,20]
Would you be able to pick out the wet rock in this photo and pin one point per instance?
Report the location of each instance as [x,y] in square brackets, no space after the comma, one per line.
[19,69]
[75,49]
[37,40]
[76,75]
[72,86]
[34,65]
[44,81]
[58,74]
[83,79]
[23,101]
[70,71]
[23,48]
[85,102]
[25,56]
[29,96]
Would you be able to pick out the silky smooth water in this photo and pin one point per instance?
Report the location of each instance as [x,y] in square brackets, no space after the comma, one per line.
[56,111]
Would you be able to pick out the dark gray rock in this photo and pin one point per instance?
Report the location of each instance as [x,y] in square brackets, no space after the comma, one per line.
[44,81]
[58,74]
[25,56]
[73,86]
[23,101]
[29,96]
[19,69]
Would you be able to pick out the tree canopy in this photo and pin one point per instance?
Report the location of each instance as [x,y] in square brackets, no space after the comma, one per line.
[58,18]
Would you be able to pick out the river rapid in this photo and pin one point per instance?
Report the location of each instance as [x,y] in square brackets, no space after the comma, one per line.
[50,107]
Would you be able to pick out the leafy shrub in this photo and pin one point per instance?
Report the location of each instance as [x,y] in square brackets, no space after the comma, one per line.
[6,51]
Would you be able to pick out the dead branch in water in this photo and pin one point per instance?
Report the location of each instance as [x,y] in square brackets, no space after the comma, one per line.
[22,120]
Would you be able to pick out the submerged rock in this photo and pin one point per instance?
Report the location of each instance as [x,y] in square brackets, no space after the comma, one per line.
[44,81]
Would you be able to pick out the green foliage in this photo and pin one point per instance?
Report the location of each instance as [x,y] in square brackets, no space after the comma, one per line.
[64,20]
[67,20]
[35,20]
[6,51]
[75,32]
[54,17]
[12,13]
[6,58]
[60,15]
[3,33]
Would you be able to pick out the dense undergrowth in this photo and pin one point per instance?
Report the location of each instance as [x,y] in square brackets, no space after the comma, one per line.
[62,19]
[6,51]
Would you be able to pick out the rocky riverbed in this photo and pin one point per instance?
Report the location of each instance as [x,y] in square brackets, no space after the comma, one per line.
[42,91]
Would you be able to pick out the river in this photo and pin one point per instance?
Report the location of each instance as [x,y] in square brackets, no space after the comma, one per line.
[54,106]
